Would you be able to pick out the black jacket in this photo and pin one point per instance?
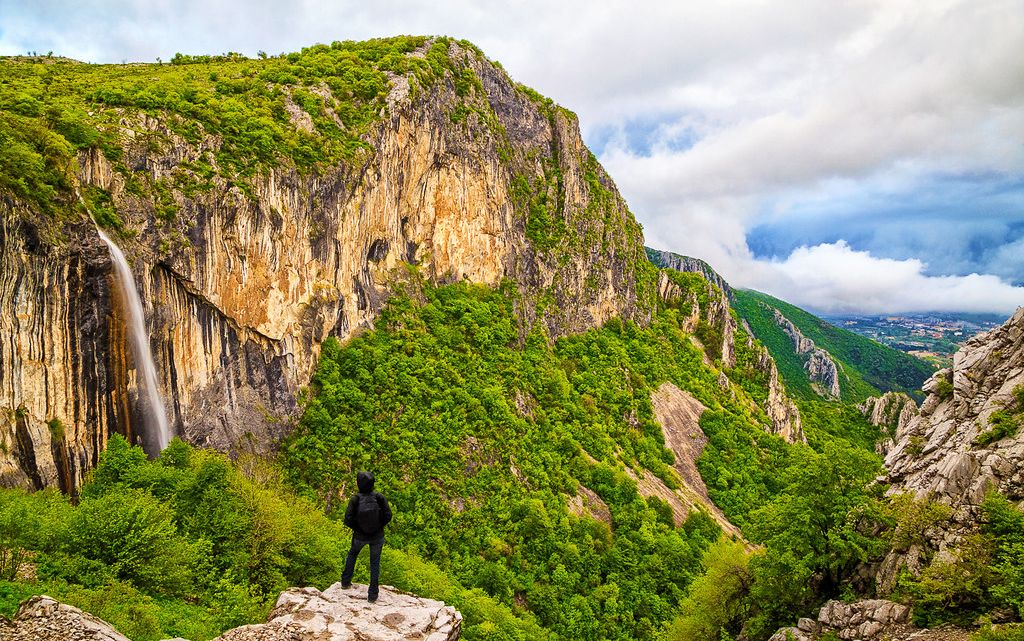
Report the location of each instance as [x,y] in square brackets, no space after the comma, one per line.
[365,482]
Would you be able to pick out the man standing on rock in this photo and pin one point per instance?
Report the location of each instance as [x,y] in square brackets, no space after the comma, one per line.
[367,514]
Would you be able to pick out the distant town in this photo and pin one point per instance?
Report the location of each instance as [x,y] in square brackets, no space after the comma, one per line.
[931,336]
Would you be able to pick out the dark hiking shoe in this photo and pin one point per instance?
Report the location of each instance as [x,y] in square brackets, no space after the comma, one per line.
[372,598]
[345,586]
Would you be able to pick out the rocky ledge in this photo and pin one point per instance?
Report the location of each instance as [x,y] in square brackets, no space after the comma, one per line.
[43,618]
[873,619]
[301,614]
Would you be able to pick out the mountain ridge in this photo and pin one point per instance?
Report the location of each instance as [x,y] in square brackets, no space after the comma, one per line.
[247,259]
[816,359]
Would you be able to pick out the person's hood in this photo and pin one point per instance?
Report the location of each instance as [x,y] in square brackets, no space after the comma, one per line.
[365,482]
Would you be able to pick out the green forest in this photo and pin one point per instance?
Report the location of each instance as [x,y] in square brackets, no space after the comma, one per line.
[480,430]
[53,108]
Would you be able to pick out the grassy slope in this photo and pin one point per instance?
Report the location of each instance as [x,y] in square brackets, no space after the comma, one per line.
[867,367]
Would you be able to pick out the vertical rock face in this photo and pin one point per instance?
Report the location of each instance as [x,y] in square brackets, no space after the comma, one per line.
[57,376]
[950,450]
[781,409]
[245,286]
[892,411]
[716,312]
[821,369]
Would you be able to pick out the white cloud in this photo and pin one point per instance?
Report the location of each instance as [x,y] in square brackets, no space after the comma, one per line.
[835,278]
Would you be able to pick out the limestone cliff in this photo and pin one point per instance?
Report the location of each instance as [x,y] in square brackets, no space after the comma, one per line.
[781,410]
[944,450]
[712,308]
[966,439]
[821,369]
[680,263]
[892,412]
[470,177]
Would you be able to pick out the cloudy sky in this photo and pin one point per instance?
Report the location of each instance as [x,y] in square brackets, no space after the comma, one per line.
[845,156]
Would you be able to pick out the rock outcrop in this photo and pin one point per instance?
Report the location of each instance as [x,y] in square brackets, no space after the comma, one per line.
[892,412]
[300,614]
[781,410]
[938,453]
[869,620]
[241,287]
[337,614]
[821,369]
[43,618]
[717,313]
[862,619]
[954,451]
[680,263]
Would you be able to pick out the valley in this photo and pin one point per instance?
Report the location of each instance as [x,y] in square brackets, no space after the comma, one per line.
[934,337]
[389,255]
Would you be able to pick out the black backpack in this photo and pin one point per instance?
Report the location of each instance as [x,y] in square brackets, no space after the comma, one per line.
[368,514]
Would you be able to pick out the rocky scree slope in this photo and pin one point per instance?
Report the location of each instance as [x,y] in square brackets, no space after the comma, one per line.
[249,249]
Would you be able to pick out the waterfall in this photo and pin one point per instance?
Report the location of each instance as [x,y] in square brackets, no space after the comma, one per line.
[157,433]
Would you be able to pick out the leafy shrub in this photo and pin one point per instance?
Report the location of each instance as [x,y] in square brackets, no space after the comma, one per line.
[27,522]
[1009,632]
[1006,422]
[944,387]
[985,572]
[718,603]
[131,612]
[134,534]
[1002,424]
[911,518]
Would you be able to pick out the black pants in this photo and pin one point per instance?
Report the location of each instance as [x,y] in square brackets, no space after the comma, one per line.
[350,563]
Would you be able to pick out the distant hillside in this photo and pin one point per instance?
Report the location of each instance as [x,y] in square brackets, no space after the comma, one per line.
[865,367]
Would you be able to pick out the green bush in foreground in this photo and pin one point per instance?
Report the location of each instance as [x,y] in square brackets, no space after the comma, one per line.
[193,544]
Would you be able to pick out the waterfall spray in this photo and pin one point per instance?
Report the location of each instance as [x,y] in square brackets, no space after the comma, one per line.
[158,433]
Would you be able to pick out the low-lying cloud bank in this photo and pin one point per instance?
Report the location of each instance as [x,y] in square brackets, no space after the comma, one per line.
[834,278]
